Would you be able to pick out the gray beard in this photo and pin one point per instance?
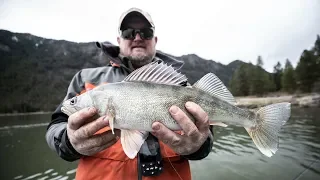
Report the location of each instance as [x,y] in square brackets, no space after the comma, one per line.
[140,61]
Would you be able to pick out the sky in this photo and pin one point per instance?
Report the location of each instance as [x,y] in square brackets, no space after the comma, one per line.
[222,31]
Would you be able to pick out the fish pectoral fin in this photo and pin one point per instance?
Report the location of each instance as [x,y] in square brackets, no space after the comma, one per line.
[211,84]
[111,114]
[110,117]
[132,141]
[218,124]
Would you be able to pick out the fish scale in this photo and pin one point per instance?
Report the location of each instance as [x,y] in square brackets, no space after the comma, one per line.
[140,110]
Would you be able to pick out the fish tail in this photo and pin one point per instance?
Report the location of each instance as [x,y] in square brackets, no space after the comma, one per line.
[270,119]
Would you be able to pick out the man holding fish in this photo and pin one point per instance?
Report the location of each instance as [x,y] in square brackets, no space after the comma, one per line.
[92,138]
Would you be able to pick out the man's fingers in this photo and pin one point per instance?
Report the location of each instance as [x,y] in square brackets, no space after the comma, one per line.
[91,128]
[105,145]
[165,135]
[103,139]
[189,128]
[96,143]
[80,118]
[202,120]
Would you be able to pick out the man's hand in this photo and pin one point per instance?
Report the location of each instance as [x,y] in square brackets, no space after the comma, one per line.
[194,134]
[81,130]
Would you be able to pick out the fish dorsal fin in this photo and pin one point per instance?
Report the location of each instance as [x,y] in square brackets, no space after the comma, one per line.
[159,73]
[211,84]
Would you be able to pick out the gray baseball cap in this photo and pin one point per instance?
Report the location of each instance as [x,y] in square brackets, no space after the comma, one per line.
[135,11]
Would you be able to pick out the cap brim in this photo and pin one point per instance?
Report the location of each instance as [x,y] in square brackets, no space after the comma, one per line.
[133,11]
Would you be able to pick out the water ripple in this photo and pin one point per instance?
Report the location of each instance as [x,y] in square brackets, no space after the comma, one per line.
[23,126]
[46,176]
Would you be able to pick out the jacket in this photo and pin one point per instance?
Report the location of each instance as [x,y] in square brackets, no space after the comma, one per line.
[111,163]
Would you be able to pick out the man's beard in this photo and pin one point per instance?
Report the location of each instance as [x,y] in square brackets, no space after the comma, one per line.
[140,60]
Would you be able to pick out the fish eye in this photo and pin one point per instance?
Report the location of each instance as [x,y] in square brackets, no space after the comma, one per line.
[73,101]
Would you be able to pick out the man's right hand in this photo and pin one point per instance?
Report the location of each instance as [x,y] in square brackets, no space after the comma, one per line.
[81,130]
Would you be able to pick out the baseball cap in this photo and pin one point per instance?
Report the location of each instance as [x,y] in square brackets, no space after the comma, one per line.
[135,11]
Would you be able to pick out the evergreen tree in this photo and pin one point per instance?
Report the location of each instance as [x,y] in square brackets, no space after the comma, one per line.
[307,71]
[259,61]
[277,74]
[239,83]
[260,81]
[316,47]
[270,84]
[288,79]
[316,52]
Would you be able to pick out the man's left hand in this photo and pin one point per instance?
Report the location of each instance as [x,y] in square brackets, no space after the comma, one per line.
[194,134]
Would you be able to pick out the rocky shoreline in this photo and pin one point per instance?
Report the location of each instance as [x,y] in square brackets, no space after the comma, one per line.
[299,100]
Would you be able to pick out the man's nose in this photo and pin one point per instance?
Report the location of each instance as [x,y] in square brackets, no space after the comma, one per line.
[137,37]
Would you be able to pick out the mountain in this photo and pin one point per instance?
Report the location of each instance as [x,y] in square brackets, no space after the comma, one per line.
[195,67]
[35,71]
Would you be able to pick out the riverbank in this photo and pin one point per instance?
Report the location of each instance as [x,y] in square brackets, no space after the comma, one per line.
[299,100]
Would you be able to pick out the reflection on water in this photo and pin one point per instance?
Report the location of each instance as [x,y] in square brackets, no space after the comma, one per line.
[24,153]
[49,174]
[303,132]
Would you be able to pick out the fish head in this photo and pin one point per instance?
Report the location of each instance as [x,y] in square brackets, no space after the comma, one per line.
[77,103]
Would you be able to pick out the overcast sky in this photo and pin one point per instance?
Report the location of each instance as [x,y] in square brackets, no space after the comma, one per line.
[222,30]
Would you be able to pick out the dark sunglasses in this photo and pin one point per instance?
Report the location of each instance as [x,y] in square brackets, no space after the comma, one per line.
[145,33]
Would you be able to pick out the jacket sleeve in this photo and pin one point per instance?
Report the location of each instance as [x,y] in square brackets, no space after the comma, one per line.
[56,135]
[204,150]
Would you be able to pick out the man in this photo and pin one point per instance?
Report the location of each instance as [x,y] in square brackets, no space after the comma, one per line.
[83,137]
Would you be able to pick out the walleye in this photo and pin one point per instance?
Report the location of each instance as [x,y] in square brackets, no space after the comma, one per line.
[146,94]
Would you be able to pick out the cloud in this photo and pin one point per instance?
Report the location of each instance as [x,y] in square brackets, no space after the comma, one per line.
[219,30]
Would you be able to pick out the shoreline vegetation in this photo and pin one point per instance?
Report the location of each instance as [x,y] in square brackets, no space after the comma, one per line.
[296,100]
[249,102]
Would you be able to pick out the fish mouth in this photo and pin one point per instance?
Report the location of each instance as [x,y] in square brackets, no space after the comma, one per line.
[66,111]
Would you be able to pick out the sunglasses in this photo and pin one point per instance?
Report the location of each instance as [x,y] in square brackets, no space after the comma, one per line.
[145,33]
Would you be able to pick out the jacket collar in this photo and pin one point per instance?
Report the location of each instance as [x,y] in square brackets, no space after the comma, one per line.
[115,60]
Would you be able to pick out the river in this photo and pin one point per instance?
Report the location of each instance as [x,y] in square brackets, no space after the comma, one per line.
[24,153]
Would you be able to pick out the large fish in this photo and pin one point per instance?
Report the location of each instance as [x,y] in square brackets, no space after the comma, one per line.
[146,94]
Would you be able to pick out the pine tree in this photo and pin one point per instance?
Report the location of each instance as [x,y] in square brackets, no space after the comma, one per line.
[239,83]
[316,52]
[259,61]
[270,85]
[307,71]
[277,74]
[260,82]
[288,79]
[316,47]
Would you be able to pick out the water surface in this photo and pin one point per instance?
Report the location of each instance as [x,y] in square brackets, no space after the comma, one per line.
[24,153]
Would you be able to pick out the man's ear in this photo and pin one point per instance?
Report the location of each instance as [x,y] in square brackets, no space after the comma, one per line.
[156,39]
[118,40]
